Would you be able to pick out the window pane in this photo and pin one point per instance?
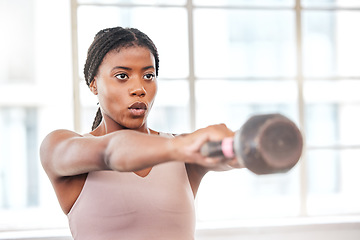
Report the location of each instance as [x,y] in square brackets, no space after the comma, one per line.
[272,3]
[17,62]
[251,43]
[171,40]
[170,112]
[149,2]
[240,194]
[332,117]
[331,47]
[232,102]
[331,3]
[35,78]
[19,186]
[333,179]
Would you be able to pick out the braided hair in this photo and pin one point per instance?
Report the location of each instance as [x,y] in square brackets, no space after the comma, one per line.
[110,39]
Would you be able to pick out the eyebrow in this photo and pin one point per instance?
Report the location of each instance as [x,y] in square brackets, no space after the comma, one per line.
[127,68]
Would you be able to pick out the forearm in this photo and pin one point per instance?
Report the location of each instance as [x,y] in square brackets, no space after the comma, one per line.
[132,151]
[65,153]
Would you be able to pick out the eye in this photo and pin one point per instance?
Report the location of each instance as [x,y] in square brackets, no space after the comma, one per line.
[149,76]
[122,76]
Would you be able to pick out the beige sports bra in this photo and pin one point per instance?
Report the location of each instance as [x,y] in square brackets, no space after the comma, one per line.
[122,205]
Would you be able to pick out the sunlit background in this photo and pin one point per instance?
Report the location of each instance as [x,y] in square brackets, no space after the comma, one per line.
[220,62]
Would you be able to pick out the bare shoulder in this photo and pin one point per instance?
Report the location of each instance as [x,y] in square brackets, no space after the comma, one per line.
[59,135]
[53,152]
[49,145]
[66,153]
[54,139]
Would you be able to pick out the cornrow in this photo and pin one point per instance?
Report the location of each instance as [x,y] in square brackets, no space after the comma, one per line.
[110,39]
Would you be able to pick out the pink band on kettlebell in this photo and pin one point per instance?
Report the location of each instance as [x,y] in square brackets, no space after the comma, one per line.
[227,147]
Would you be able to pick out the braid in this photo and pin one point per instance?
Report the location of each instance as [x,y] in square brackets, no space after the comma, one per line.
[110,39]
[97,119]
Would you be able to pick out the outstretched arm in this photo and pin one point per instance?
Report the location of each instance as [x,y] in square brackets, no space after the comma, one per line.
[65,153]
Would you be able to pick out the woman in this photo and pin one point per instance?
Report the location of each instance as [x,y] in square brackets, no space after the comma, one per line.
[123,180]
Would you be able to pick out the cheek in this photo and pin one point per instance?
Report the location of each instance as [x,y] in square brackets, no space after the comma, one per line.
[152,92]
[112,96]
[154,89]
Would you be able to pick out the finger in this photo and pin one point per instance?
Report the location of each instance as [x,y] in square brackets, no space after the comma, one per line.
[212,162]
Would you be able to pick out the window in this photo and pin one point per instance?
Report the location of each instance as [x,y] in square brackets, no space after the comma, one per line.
[221,61]
[36,98]
[229,60]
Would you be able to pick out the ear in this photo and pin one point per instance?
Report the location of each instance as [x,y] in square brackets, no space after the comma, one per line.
[93,87]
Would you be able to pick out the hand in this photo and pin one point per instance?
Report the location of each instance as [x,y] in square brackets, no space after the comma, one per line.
[187,147]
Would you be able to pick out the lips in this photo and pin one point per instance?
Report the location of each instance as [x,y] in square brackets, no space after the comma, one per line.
[138,109]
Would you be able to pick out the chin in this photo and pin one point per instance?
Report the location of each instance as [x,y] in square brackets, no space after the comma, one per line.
[135,124]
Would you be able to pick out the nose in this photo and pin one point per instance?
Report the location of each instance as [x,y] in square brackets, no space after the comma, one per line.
[138,91]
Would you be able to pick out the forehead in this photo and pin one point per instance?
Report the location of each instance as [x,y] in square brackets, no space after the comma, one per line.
[130,55]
